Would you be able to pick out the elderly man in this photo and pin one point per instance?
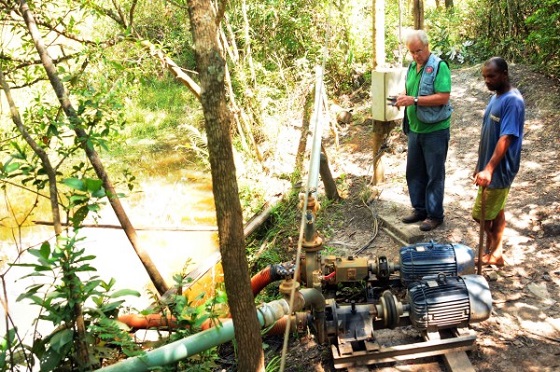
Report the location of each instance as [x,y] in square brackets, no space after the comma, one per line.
[427,120]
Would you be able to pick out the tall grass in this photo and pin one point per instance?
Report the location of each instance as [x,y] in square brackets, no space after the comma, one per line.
[155,141]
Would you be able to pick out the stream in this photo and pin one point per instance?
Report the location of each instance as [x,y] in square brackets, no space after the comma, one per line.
[175,223]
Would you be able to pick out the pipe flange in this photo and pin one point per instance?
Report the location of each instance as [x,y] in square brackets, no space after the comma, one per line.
[313,245]
[286,286]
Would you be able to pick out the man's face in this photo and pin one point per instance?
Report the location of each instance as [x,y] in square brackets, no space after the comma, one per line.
[420,52]
[494,79]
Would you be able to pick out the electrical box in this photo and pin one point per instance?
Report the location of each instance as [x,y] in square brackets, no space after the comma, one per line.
[386,82]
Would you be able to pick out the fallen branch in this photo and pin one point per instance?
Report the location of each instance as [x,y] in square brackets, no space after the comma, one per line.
[173,67]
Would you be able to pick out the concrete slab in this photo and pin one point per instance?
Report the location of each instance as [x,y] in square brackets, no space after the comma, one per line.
[408,234]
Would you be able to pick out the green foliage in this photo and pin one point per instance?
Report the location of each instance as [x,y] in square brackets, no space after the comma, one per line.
[447,35]
[189,316]
[270,244]
[543,35]
[518,30]
[60,288]
[13,352]
[166,24]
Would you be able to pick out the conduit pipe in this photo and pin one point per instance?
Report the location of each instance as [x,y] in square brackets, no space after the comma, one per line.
[299,321]
[268,314]
[158,321]
[259,281]
[315,299]
[189,346]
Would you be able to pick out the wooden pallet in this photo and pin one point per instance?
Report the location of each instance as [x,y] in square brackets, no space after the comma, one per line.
[451,345]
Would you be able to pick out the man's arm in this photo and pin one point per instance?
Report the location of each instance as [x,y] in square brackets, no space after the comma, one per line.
[436,99]
[484,177]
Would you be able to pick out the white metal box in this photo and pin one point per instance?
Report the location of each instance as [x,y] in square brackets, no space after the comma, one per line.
[386,82]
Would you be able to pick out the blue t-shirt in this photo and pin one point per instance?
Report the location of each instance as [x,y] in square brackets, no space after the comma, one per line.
[504,115]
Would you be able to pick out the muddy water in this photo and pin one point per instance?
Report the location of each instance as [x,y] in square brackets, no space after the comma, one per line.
[175,223]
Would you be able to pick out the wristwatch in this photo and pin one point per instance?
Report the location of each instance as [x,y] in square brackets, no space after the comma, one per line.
[416,100]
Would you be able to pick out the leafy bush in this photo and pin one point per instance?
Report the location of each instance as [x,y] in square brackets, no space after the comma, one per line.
[63,294]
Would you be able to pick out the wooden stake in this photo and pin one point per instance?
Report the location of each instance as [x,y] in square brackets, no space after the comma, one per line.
[482,224]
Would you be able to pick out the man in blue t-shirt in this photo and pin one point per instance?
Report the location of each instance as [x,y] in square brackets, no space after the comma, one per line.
[499,155]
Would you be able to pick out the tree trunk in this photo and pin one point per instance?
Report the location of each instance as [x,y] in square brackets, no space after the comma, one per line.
[328,181]
[92,155]
[218,123]
[418,14]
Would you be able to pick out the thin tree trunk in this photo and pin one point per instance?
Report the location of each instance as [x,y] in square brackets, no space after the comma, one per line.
[248,55]
[218,122]
[418,14]
[38,150]
[92,155]
[305,122]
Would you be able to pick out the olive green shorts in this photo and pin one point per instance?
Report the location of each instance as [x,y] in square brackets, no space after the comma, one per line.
[495,202]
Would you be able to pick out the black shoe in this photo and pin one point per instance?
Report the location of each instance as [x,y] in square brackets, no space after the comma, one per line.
[413,217]
[430,224]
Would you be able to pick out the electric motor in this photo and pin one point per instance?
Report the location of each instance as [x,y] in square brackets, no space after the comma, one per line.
[439,302]
[425,259]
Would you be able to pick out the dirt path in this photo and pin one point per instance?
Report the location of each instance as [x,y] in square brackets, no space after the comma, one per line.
[523,332]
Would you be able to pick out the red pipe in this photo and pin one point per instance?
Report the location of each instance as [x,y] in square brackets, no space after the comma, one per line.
[135,321]
[260,280]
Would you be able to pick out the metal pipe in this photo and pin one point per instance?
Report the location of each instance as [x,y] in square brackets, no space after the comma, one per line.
[317,118]
[313,298]
[189,346]
[316,300]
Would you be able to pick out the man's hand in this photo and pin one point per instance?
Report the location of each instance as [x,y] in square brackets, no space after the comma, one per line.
[483,178]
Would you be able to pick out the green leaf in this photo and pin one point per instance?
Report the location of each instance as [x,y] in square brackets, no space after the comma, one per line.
[52,130]
[98,193]
[111,306]
[93,185]
[35,299]
[79,216]
[50,360]
[45,250]
[10,167]
[125,292]
[86,258]
[32,289]
[74,183]
[78,199]
[95,206]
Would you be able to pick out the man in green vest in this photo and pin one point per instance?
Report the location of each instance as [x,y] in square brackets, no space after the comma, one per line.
[427,120]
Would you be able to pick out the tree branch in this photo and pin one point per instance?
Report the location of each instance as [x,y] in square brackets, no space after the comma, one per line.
[92,155]
[172,66]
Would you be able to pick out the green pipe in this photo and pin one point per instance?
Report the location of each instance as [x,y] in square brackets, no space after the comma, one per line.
[189,346]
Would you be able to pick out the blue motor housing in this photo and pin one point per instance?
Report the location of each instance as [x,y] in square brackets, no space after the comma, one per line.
[425,259]
[439,302]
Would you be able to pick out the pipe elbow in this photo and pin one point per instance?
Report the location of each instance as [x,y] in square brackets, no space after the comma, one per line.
[313,298]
